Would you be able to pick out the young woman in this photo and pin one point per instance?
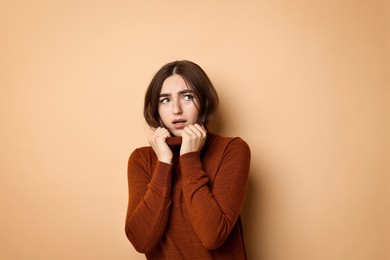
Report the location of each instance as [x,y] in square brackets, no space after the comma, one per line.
[186,190]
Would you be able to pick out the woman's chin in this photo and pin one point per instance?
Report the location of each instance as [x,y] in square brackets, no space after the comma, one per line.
[176,132]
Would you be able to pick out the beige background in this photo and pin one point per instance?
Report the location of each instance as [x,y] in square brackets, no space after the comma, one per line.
[305,83]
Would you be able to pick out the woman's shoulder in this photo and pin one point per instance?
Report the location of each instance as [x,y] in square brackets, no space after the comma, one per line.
[142,153]
[225,142]
[225,139]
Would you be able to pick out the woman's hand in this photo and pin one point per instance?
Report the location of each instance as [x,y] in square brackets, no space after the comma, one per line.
[158,142]
[193,139]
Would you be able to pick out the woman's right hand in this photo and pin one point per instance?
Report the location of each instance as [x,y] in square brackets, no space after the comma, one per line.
[158,142]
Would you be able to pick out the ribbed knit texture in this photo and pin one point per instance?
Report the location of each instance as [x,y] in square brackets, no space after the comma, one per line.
[190,209]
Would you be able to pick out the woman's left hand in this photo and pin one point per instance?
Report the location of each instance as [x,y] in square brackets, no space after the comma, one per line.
[193,138]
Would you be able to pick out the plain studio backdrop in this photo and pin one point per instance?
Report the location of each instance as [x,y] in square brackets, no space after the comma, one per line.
[305,83]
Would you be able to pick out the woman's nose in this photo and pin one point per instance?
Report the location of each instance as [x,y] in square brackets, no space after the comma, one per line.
[176,109]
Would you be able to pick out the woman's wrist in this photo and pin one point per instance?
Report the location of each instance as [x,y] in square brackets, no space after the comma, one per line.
[165,160]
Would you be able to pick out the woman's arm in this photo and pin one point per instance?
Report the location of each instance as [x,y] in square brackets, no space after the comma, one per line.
[149,201]
[213,212]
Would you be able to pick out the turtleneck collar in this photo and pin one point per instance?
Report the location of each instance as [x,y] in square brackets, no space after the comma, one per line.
[174,141]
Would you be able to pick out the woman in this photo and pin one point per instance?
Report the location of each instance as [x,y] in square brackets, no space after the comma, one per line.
[186,190]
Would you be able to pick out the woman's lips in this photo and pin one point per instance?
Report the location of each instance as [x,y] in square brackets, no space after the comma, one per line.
[179,124]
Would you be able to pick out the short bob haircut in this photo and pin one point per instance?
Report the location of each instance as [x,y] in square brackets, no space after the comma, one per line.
[196,80]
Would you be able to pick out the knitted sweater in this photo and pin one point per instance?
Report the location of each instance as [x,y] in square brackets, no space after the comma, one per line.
[188,209]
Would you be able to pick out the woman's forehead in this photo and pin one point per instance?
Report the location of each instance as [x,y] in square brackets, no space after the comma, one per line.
[174,84]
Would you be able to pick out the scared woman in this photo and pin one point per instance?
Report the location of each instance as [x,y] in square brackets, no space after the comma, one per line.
[187,188]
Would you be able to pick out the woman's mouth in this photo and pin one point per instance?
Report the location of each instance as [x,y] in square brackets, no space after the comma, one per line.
[179,123]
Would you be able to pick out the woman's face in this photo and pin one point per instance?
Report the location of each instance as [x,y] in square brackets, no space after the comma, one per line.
[177,105]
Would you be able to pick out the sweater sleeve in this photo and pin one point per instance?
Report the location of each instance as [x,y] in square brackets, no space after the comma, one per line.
[149,202]
[213,211]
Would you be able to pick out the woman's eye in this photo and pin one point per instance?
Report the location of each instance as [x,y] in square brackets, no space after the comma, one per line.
[188,97]
[164,100]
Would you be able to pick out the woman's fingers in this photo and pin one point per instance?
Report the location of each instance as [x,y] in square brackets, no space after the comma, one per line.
[195,130]
[194,137]
[201,129]
[158,142]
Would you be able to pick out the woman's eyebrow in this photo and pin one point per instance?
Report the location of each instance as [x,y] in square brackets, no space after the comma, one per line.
[164,95]
[181,92]
[185,91]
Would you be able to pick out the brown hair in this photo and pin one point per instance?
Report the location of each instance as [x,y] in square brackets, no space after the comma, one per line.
[196,80]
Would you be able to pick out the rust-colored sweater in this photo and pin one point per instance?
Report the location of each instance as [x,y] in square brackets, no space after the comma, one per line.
[189,209]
